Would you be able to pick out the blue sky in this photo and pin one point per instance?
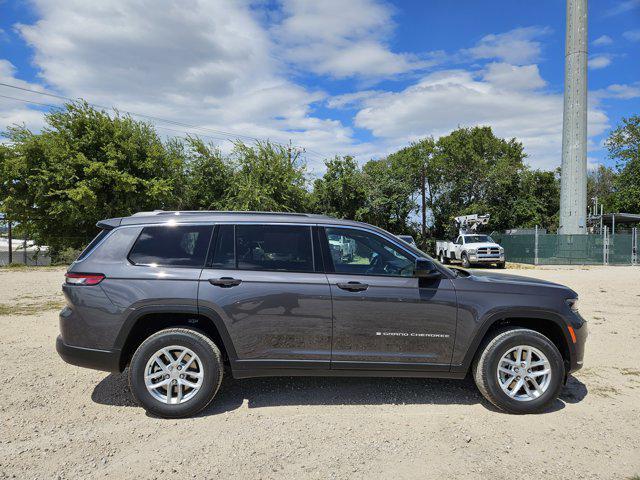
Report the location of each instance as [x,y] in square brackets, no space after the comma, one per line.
[360,77]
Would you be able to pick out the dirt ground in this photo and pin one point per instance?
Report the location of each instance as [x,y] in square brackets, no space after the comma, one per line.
[58,421]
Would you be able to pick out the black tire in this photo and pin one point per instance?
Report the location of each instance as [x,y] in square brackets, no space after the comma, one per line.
[485,368]
[212,366]
[444,260]
[465,261]
[501,265]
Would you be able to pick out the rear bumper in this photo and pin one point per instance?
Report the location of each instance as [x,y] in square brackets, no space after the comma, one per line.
[106,360]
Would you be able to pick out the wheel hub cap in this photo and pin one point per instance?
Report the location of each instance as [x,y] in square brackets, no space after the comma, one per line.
[524,373]
[174,375]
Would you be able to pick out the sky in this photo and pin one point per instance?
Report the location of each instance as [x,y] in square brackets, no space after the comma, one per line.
[333,77]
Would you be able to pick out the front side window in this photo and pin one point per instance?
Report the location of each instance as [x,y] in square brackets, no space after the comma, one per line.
[274,247]
[174,246]
[363,253]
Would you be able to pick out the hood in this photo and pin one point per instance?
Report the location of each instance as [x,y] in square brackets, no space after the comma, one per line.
[506,278]
[480,244]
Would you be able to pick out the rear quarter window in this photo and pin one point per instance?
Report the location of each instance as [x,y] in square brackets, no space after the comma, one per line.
[174,246]
[89,248]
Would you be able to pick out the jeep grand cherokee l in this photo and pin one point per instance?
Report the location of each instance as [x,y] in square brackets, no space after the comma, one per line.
[177,295]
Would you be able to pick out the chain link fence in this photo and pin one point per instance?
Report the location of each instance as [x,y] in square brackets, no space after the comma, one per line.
[554,249]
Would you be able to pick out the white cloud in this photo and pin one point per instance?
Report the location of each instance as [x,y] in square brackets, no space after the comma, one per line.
[208,63]
[632,35]
[617,91]
[442,101]
[343,39]
[603,40]
[518,46]
[16,112]
[623,7]
[599,61]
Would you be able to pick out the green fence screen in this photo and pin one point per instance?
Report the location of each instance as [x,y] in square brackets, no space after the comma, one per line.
[567,249]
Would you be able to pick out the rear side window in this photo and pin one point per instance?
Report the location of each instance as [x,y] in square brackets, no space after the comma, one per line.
[274,247]
[98,238]
[174,246]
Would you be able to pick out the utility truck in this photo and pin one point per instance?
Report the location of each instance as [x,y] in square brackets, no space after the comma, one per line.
[471,247]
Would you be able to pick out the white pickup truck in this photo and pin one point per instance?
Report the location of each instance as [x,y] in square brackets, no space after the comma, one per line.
[469,249]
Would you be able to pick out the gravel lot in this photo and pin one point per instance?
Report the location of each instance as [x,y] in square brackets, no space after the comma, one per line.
[59,421]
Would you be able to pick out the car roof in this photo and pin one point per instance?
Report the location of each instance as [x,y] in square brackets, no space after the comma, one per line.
[206,216]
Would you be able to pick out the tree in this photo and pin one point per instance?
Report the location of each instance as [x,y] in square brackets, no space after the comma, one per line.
[85,165]
[538,201]
[207,176]
[417,162]
[388,202]
[341,190]
[267,177]
[601,183]
[624,146]
[479,173]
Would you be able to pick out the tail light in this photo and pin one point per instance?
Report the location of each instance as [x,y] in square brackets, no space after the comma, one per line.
[83,278]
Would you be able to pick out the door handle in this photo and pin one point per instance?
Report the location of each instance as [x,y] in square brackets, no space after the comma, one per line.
[353,286]
[225,282]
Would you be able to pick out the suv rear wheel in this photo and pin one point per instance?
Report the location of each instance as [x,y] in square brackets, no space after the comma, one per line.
[519,371]
[175,372]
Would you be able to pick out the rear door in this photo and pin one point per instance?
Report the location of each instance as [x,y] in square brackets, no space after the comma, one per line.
[384,317]
[267,285]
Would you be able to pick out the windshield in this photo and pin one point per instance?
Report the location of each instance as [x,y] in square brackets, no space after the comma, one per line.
[478,239]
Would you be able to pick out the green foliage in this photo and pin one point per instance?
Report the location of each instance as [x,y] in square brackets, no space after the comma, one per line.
[267,177]
[624,146]
[341,191]
[85,165]
[388,202]
[601,183]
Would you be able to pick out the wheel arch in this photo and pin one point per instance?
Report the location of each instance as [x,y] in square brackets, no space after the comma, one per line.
[548,324]
[148,320]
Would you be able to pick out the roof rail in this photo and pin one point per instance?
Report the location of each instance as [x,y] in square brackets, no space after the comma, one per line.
[215,212]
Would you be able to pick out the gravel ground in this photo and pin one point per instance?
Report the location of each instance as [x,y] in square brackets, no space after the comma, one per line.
[59,421]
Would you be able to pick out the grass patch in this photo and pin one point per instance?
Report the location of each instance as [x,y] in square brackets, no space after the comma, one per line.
[20,309]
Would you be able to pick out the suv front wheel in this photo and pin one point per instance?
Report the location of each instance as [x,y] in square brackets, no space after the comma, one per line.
[175,372]
[519,371]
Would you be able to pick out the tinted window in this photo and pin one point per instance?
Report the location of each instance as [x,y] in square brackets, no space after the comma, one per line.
[223,254]
[362,253]
[178,246]
[92,245]
[274,247]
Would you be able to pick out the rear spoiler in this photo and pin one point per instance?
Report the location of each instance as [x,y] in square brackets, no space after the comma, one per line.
[109,223]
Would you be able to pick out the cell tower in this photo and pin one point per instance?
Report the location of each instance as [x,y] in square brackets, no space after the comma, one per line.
[573,188]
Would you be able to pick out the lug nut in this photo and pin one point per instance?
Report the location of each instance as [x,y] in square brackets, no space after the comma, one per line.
[166,377]
[174,382]
[182,376]
[517,378]
[526,378]
[179,367]
[529,371]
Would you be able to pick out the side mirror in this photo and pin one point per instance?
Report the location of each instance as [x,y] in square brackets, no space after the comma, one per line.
[425,269]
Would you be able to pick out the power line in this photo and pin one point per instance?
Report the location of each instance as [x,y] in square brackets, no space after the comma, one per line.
[142,115]
[161,127]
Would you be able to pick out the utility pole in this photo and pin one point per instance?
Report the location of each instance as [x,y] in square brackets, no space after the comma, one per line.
[573,188]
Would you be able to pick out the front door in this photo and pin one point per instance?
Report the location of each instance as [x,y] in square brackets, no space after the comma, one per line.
[271,293]
[384,317]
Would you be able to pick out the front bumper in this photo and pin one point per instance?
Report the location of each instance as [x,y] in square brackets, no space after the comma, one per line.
[486,258]
[106,360]
[577,349]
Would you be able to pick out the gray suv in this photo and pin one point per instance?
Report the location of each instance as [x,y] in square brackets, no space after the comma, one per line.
[177,295]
